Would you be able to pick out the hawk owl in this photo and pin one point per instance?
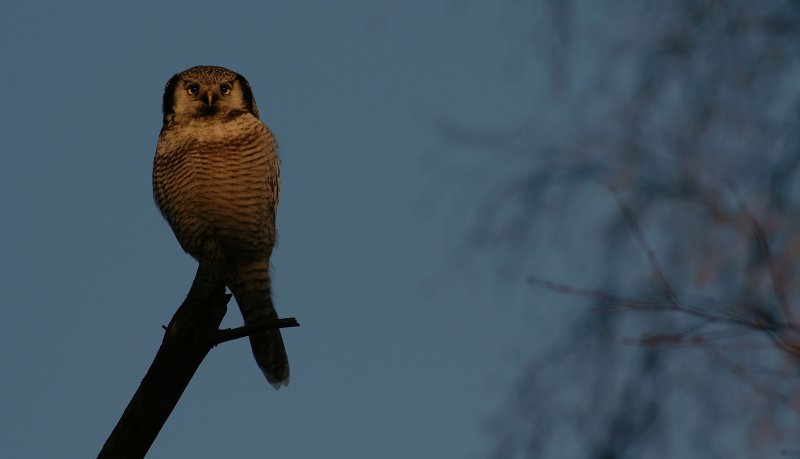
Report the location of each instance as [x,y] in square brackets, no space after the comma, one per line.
[216,181]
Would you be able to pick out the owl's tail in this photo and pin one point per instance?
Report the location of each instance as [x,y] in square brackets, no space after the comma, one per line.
[250,284]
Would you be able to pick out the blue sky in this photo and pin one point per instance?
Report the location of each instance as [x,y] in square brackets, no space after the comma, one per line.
[382,366]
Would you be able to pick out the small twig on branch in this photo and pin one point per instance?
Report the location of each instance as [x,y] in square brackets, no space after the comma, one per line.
[230,334]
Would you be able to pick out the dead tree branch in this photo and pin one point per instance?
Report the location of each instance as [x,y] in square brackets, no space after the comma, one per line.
[190,335]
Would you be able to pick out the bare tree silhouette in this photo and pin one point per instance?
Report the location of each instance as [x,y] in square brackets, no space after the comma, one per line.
[663,143]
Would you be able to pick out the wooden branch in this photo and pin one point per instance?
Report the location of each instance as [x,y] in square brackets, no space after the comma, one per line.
[190,335]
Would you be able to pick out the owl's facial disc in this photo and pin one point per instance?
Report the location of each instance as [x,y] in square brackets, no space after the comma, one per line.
[204,91]
[210,99]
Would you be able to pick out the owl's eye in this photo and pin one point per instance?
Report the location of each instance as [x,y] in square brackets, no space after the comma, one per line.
[192,89]
[225,89]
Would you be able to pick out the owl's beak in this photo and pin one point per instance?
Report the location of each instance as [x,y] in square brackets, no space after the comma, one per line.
[210,97]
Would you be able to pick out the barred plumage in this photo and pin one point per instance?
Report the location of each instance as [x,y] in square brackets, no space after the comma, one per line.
[216,179]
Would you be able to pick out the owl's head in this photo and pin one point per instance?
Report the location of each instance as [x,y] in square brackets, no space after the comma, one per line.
[206,91]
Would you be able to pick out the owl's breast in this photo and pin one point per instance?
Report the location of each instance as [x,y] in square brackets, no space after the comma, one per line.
[214,183]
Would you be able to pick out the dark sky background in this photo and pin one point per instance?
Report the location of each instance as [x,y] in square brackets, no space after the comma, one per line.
[398,355]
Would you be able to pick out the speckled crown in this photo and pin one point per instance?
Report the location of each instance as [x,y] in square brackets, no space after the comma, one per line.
[208,74]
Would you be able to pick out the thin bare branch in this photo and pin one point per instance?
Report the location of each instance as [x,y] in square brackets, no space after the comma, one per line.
[748,378]
[633,223]
[775,278]
[569,289]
